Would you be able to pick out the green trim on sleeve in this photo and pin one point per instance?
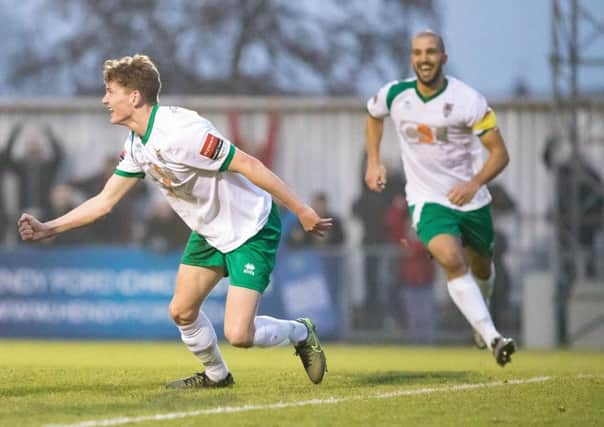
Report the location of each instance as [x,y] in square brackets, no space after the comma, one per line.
[229,158]
[483,132]
[398,88]
[125,174]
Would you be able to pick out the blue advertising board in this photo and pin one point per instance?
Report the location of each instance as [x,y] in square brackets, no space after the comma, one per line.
[121,292]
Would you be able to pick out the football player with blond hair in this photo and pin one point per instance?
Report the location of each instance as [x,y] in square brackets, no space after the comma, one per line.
[224,196]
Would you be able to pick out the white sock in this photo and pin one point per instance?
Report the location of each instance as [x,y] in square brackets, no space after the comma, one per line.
[271,332]
[487,285]
[468,299]
[200,339]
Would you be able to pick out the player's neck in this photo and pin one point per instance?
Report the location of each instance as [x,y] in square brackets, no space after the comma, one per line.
[427,90]
[139,120]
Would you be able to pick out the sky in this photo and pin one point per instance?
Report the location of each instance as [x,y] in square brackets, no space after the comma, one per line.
[493,43]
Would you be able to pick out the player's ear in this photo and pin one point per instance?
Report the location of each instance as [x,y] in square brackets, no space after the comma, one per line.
[445,58]
[136,99]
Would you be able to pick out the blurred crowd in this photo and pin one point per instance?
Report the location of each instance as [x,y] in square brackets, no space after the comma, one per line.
[36,161]
[398,275]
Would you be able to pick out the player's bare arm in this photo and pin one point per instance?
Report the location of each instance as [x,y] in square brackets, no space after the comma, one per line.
[30,228]
[375,176]
[254,170]
[496,162]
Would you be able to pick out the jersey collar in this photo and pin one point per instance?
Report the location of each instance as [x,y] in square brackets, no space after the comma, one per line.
[426,99]
[145,137]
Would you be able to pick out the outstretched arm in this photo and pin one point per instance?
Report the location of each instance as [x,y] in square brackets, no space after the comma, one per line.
[254,170]
[496,162]
[375,176]
[30,228]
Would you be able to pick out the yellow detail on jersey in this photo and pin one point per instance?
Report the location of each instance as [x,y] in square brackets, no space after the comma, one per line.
[488,122]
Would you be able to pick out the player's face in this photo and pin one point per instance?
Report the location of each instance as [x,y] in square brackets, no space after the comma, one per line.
[118,100]
[427,59]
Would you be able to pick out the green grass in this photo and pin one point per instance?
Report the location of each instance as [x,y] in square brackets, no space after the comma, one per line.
[45,382]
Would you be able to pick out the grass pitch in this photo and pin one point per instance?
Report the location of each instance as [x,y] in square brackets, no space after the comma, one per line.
[88,384]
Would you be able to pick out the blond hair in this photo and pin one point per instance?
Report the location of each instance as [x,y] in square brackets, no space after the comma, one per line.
[135,72]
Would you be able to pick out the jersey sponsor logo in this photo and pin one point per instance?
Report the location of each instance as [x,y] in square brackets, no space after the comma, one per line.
[211,146]
[425,134]
[421,133]
[249,269]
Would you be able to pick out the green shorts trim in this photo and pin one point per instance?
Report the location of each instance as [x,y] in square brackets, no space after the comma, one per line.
[250,265]
[475,228]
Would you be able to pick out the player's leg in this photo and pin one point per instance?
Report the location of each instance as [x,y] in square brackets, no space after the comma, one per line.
[198,274]
[193,284]
[479,238]
[438,227]
[243,328]
[250,267]
[483,270]
[462,287]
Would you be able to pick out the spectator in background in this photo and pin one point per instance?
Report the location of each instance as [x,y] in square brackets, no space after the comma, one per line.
[499,301]
[63,198]
[588,194]
[578,186]
[333,237]
[327,245]
[4,165]
[371,209]
[163,229]
[36,171]
[415,273]
[117,227]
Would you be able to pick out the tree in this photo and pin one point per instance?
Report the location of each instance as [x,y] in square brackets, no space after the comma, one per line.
[222,46]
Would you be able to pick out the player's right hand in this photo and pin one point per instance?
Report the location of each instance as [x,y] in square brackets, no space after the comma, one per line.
[375,177]
[32,229]
[312,223]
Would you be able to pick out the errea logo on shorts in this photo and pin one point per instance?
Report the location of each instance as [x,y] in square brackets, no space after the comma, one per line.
[250,269]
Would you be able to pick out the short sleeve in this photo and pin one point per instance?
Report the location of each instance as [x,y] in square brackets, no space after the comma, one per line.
[477,109]
[127,167]
[205,149]
[377,105]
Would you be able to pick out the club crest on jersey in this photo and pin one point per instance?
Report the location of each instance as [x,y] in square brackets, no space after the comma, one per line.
[211,146]
[447,109]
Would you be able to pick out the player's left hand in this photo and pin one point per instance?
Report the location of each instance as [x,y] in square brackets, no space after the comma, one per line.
[462,193]
[312,223]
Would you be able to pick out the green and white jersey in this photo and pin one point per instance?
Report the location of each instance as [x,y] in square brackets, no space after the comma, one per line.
[188,158]
[438,138]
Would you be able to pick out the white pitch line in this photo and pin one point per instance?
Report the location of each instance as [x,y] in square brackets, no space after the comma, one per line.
[281,405]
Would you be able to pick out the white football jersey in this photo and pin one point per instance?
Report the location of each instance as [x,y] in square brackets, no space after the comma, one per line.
[188,158]
[438,138]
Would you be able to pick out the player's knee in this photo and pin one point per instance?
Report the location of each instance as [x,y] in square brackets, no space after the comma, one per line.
[481,271]
[452,260]
[181,315]
[238,337]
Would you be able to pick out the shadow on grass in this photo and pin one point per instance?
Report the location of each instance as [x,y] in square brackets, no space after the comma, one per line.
[409,378]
